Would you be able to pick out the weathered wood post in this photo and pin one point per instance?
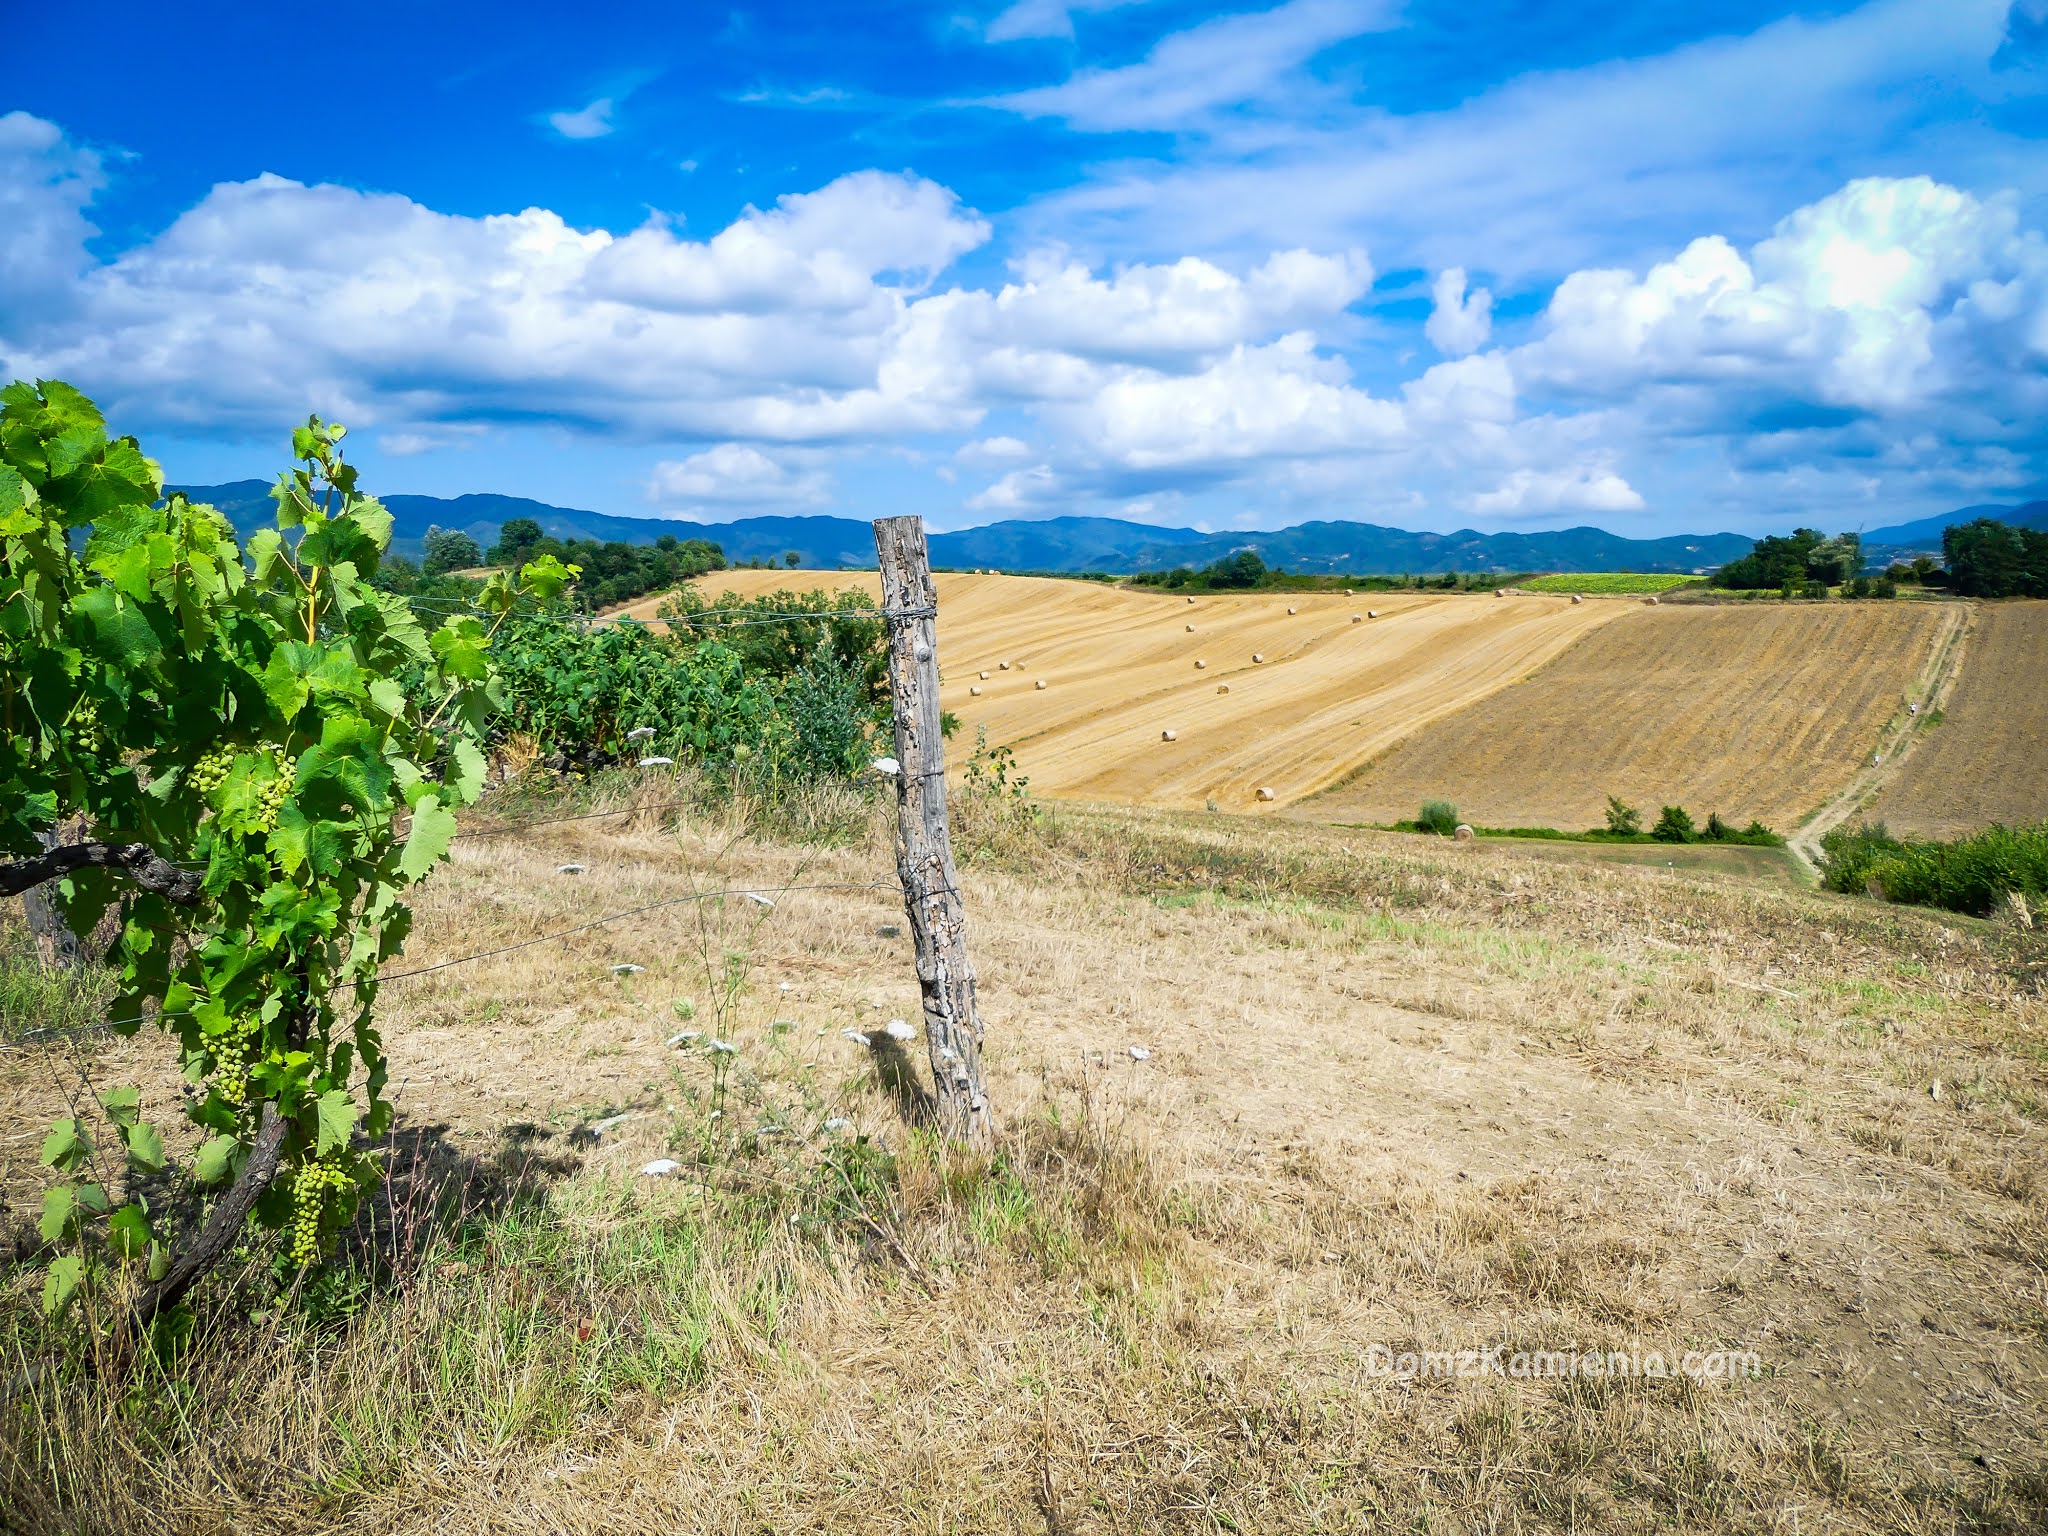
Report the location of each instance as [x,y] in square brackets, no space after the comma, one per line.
[924,846]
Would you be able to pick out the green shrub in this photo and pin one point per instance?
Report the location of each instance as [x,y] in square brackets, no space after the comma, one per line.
[1623,820]
[1973,874]
[1674,826]
[1438,816]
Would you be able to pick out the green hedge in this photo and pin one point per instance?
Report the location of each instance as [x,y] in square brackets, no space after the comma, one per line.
[1973,874]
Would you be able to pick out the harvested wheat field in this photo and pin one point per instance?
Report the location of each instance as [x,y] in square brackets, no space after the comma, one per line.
[1393,1102]
[1754,710]
[1121,667]
[1987,759]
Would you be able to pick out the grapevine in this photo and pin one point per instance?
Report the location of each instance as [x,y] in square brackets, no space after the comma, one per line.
[259,713]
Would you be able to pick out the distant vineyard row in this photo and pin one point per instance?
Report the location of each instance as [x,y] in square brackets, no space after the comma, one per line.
[1608,583]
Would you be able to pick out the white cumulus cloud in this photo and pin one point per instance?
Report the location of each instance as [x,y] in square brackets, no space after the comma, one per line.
[736,475]
[1459,322]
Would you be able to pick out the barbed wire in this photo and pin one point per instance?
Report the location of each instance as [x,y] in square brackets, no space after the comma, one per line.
[739,618]
[768,895]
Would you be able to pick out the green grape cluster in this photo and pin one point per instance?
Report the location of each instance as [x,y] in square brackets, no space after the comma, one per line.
[231,1055]
[211,771]
[315,1182]
[272,796]
[85,723]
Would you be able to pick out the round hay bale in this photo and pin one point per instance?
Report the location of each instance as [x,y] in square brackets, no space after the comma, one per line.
[1463,833]
[1576,598]
[1191,599]
[1372,613]
[1169,735]
[1294,610]
[1004,665]
[1258,656]
[1191,629]
[1358,618]
[1223,687]
[984,677]
[1200,665]
[1650,602]
[1039,684]
[1347,591]
[1500,591]
[1265,793]
[975,691]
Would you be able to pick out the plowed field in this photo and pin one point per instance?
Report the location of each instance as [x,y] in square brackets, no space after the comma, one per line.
[1120,669]
[1988,758]
[1758,710]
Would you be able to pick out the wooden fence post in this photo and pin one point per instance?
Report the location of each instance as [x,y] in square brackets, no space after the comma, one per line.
[924,847]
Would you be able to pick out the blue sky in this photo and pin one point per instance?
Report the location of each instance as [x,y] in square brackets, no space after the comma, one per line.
[1656,268]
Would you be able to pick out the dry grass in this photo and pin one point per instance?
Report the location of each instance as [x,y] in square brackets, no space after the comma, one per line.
[1988,758]
[1407,1097]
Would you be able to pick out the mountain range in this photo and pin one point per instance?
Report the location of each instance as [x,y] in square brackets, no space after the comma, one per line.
[1108,544]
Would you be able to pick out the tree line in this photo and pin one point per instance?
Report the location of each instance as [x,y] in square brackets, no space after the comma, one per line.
[1981,558]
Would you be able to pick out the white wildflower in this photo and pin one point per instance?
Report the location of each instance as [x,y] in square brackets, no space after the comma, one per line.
[640,733]
[888,766]
[721,1048]
[1139,1053]
[896,1029]
[838,1123]
[660,1168]
[657,762]
[856,1036]
[759,899]
[568,869]
[628,970]
[685,1038]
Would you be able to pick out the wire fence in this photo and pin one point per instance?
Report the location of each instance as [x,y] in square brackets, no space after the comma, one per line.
[741,618]
[768,895]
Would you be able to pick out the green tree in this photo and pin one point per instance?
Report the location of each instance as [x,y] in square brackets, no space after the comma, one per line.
[1674,825]
[448,549]
[792,559]
[1988,558]
[518,538]
[1242,569]
[1622,819]
[1438,816]
[1773,562]
[1836,561]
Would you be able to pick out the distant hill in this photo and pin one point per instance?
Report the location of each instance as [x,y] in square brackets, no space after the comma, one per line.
[1107,543]
[1924,536]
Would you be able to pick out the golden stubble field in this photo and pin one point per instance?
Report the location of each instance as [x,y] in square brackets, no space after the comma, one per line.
[1523,710]
[1987,760]
[1754,710]
[1120,669]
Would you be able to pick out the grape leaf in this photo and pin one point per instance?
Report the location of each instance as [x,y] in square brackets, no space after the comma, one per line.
[337,1112]
[432,828]
[215,1160]
[61,1282]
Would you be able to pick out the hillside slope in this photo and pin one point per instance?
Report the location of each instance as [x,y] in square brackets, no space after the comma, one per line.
[1119,668]
[1988,758]
[1752,710]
